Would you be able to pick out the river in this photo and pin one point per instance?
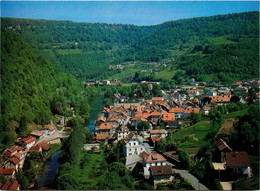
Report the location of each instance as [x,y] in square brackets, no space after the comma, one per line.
[95,107]
[45,181]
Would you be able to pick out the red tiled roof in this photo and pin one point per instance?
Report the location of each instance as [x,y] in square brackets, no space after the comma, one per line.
[19,148]
[168,116]
[12,149]
[144,155]
[14,186]
[161,170]
[157,131]
[188,110]
[44,145]
[105,126]
[18,155]
[7,171]
[14,160]
[102,136]
[111,119]
[176,110]
[222,145]
[225,98]
[49,127]
[155,158]
[155,138]
[28,140]
[6,185]
[237,159]
[157,98]
[155,113]
[35,148]
[7,154]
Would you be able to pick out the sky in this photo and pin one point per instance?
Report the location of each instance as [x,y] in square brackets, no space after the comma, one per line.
[124,12]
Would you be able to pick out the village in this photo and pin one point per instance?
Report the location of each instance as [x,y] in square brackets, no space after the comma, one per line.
[142,124]
[13,158]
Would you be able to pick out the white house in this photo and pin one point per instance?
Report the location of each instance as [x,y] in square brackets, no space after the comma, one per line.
[162,133]
[133,144]
[28,142]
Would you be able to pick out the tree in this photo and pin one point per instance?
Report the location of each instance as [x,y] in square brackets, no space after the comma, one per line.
[185,159]
[143,125]
[251,95]
[216,117]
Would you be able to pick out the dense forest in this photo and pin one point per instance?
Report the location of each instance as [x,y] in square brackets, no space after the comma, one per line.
[33,89]
[216,48]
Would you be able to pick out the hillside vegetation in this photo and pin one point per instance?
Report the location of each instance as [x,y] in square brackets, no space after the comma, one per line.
[33,89]
[216,48]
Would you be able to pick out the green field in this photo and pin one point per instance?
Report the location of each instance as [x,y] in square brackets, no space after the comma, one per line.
[236,113]
[124,72]
[88,173]
[193,136]
[54,148]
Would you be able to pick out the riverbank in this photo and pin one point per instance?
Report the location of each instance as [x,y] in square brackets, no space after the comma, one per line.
[49,167]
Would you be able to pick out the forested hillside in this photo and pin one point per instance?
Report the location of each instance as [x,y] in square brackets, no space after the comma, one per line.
[33,89]
[216,48]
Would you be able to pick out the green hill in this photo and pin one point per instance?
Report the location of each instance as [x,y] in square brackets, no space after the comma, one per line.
[32,89]
[215,48]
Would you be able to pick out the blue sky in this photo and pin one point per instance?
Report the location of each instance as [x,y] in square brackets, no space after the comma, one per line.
[125,12]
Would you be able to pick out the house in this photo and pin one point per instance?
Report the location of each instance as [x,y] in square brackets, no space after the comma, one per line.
[154,116]
[37,134]
[101,137]
[133,144]
[238,163]
[48,130]
[188,111]
[178,112]
[36,148]
[168,118]
[157,99]
[153,159]
[235,85]
[10,152]
[161,174]
[224,89]
[122,133]
[88,147]
[114,122]
[45,147]
[225,99]
[205,110]
[20,149]
[6,186]
[28,142]
[14,186]
[162,133]
[105,82]
[212,93]
[8,172]
[12,163]
[155,139]
[223,148]
[104,128]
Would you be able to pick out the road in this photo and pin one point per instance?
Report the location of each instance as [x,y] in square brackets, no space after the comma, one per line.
[193,180]
[57,135]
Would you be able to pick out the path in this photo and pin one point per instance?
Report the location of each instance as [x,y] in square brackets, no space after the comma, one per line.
[193,180]
[57,135]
